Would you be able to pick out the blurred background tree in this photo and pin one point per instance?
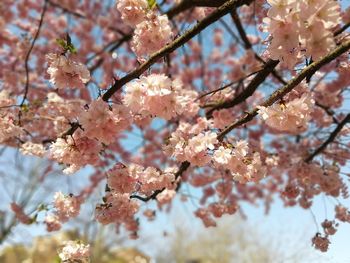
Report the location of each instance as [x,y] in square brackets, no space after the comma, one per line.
[234,240]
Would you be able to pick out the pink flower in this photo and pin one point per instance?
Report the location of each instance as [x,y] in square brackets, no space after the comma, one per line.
[222,118]
[292,117]
[30,148]
[75,152]
[120,179]
[20,215]
[157,95]
[133,11]
[222,155]
[74,251]
[8,127]
[67,206]
[151,35]
[304,22]
[52,222]
[166,196]
[117,208]
[65,72]
[321,243]
[103,122]
[342,213]
[329,227]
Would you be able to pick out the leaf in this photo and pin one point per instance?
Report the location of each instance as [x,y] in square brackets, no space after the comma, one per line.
[72,49]
[62,43]
[67,44]
[152,4]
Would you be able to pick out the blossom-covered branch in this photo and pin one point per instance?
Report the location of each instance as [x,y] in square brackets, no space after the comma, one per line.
[216,15]
[280,93]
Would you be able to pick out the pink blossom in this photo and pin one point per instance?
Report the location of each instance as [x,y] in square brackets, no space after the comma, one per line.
[104,122]
[291,22]
[75,152]
[222,155]
[8,127]
[166,196]
[52,222]
[157,95]
[67,206]
[20,215]
[74,251]
[133,11]
[342,213]
[292,117]
[151,35]
[222,118]
[65,72]
[35,149]
[321,243]
[120,179]
[117,208]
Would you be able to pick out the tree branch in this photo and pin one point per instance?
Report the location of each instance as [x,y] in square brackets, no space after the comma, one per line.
[280,93]
[330,139]
[183,167]
[26,60]
[188,4]
[216,15]
[250,89]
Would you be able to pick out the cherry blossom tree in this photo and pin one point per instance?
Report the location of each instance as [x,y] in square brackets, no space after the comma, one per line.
[243,99]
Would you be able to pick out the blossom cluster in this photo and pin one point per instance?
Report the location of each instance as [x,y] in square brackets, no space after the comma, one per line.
[152,31]
[192,143]
[301,27]
[65,72]
[133,11]
[74,251]
[291,117]
[134,178]
[75,152]
[122,182]
[197,145]
[157,95]
[66,207]
[235,158]
[103,122]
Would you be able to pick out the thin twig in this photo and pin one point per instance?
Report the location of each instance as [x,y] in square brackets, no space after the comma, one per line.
[330,139]
[26,61]
[280,93]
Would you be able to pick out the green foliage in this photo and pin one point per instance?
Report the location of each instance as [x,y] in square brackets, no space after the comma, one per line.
[152,4]
[66,44]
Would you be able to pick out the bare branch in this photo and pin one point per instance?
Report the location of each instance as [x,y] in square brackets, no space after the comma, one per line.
[26,60]
[330,139]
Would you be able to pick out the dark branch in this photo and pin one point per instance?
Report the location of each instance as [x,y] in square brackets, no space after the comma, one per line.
[330,139]
[183,167]
[280,93]
[250,89]
[26,60]
[216,15]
